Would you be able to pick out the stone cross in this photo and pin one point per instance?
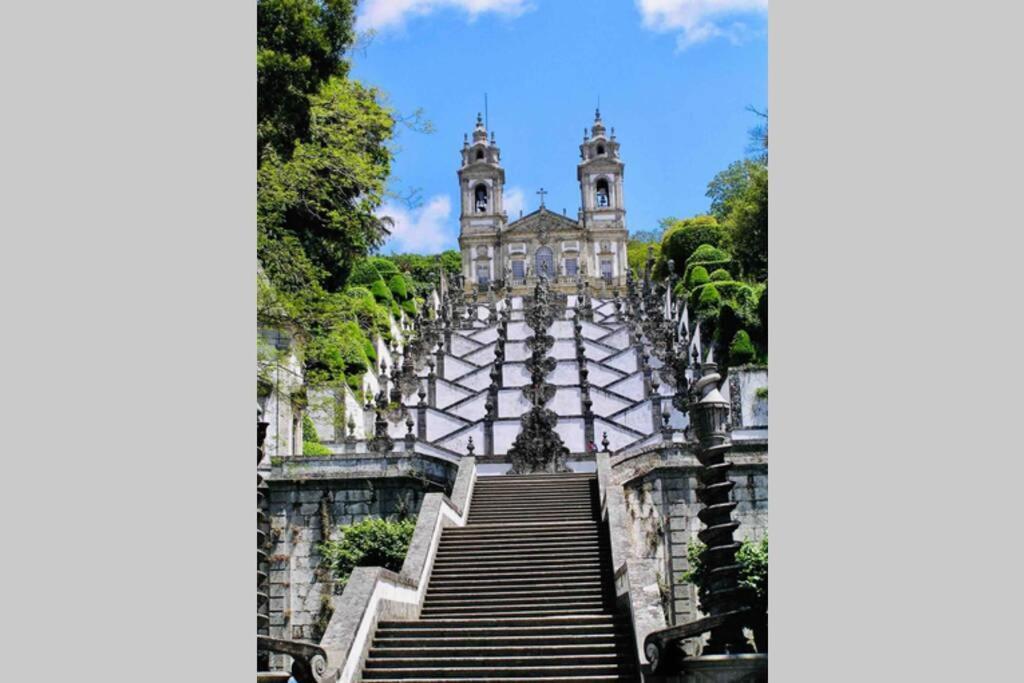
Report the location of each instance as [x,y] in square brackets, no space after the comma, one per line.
[542,192]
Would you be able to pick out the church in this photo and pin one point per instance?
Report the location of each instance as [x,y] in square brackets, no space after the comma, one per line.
[591,247]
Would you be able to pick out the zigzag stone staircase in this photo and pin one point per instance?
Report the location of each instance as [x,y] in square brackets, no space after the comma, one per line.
[523,592]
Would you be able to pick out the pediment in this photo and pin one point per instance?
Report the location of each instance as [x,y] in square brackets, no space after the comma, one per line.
[539,221]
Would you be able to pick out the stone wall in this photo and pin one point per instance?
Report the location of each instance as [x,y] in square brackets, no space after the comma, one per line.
[298,509]
[662,506]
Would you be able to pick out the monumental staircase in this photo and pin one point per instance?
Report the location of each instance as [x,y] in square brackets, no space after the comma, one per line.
[523,592]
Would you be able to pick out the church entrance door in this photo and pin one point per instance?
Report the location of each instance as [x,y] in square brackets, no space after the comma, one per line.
[545,262]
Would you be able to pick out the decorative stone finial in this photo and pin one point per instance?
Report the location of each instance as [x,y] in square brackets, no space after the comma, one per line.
[470,447]
[604,442]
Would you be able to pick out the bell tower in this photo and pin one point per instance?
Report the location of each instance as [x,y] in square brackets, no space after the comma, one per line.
[482,216]
[600,173]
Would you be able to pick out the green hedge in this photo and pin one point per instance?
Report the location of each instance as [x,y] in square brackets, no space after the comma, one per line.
[683,237]
[706,253]
[709,301]
[398,287]
[741,350]
[697,277]
[311,448]
[370,543]
[752,557]
[720,275]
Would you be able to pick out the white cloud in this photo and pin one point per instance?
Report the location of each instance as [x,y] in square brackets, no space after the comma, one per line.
[423,230]
[700,20]
[514,201]
[380,14]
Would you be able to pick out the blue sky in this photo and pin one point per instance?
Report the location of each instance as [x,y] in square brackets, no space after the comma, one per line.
[674,78]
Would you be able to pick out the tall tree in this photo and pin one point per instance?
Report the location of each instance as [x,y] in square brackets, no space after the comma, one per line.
[299,45]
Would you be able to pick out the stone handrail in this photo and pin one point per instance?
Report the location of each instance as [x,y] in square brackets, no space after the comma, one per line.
[636,579]
[309,661]
[374,593]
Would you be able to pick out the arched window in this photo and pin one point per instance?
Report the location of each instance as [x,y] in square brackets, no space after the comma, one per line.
[601,195]
[480,198]
[479,154]
[600,149]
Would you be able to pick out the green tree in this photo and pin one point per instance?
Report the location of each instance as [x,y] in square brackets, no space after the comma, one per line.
[748,223]
[741,350]
[299,45]
[684,236]
[729,185]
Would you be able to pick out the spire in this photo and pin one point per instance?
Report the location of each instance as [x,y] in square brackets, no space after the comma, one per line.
[598,127]
[479,132]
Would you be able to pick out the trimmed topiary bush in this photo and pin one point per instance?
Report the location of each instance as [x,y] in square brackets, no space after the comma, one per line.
[398,288]
[314,448]
[381,293]
[309,430]
[707,253]
[698,277]
[363,273]
[409,307]
[720,275]
[741,350]
[709,301]
[370,543]
[683,237]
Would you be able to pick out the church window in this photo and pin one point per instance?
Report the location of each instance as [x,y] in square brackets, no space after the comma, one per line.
[602,192]
[483,274]
[606,269]
[480,198]
[518,269]
[545,262]
[600,149]
[570,266]
[479,154]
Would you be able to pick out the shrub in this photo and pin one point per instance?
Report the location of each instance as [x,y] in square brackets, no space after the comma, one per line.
[384,266]
[682,238]
[709,301]
[761,392]
[741,350]
[312,448]
[698,277]
[752,557]
[398,288]
[309,430]
[409,307]
[720,275]
[381,293]
[707,253]
[363,273]
[370,543]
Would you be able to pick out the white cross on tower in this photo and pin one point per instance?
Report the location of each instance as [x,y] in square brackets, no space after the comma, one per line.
[542,192]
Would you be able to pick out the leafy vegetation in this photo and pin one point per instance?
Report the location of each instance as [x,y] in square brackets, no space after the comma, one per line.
[741,350]
[370,543]
[752,557]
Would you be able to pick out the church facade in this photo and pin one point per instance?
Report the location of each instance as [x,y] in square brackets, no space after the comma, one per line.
[514,253]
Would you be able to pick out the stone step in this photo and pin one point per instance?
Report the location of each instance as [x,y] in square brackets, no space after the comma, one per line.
[452,648]
[566,572]
[528,510]
[514,502]
[537,563]
[559,476]
[524,579]
[567,660]
[499,519]
[506,587]
[524,527]
[524,551]
[441,673]
[508,599]
[540,533]
[568,677]
[516,542]
[566,622]
[539,609]
[530,642]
